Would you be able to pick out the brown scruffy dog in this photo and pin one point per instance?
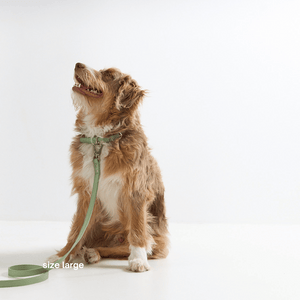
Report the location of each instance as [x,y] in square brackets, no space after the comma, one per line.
[129,215]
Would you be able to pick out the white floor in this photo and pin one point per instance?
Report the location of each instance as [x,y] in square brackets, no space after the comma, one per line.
[209,262]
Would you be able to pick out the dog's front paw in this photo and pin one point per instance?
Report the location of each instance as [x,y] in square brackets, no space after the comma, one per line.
[138,260]
[90,255]
[138,265]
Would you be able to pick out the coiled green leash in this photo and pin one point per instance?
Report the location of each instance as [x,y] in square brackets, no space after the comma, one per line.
[41,273]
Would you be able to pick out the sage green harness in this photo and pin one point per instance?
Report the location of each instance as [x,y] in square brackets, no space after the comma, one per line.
[41,272]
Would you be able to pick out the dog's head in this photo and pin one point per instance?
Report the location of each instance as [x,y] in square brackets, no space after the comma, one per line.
[108,94]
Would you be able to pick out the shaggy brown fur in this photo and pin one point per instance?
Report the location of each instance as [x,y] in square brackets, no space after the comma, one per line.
[141,218]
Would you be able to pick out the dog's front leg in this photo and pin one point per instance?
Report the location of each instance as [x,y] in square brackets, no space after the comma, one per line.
[139,238]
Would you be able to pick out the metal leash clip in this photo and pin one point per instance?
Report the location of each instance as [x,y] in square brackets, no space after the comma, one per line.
[97,154]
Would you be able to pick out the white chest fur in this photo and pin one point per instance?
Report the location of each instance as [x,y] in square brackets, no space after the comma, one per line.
[109,186]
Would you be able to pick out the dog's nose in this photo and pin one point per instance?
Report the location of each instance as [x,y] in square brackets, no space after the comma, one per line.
[79,66]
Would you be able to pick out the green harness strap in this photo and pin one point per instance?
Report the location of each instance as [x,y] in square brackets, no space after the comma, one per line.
[43,273]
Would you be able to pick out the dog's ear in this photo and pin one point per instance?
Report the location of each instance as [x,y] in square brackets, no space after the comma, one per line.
[129,93]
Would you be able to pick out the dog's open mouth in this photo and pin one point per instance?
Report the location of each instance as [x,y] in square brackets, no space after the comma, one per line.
[81,88]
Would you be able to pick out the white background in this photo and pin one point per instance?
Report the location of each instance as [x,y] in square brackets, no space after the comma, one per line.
[222,115]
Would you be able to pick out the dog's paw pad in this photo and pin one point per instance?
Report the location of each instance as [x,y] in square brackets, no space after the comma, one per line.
[90,255]
[138,265]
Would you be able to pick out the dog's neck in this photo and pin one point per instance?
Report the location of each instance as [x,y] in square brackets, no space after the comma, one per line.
[89,129]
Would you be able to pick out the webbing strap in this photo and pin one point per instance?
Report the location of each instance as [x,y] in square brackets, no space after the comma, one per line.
[95,140]
[40,273]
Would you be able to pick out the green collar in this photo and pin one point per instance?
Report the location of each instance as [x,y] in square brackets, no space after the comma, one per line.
[96,140]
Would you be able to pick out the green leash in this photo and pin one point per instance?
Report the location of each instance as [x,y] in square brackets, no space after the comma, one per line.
[43,273]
